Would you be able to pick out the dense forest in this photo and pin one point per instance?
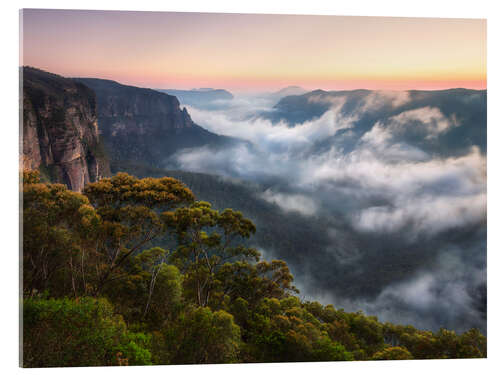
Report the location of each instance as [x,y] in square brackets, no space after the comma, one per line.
[138,272]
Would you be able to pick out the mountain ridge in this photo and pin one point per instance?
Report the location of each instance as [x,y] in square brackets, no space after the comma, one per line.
[199,97]
[145,125]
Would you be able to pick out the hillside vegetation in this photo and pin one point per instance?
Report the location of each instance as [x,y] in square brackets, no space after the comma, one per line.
[98,292]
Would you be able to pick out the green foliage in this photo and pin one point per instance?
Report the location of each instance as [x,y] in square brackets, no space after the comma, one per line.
[252,282]
[443,344]
[207,240]
[208,299]
[123,190]
[131,212]
[368,330]
[30,177]
[472,344]
[203,336]
[133,349]
[284,331]
[327,350]
[84,332]
[393,353]
[57,223]
[151,292]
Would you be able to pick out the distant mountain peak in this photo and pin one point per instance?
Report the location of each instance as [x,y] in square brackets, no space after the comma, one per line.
[292,87]
[290,90]
[318,92]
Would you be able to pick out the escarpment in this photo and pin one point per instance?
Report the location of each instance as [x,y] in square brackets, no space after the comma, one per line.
[60,133]
[145,126]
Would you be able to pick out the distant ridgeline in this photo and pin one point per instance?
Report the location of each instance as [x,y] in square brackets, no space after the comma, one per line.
[199,97]
[366,107]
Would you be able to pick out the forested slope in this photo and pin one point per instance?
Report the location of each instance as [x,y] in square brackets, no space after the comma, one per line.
[97,293]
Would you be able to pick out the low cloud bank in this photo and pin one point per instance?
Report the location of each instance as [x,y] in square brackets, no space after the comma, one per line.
[388,199]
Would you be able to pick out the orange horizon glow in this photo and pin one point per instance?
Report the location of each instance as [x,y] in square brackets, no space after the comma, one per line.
[249,52]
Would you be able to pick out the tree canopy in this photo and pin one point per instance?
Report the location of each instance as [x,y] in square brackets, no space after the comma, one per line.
[136,272]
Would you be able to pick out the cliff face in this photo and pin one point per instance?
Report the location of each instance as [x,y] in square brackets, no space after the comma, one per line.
[60,131]
[144,126]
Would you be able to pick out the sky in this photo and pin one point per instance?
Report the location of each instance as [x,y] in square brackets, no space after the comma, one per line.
[251,52]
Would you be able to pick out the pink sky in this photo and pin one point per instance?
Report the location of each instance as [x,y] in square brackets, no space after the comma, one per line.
[245,52]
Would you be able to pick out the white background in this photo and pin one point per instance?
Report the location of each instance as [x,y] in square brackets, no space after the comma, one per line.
[9,241]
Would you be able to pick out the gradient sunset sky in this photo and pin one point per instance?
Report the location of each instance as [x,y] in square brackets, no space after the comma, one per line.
[250,52]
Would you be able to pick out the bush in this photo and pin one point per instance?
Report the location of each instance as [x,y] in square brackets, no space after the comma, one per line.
[203,336]
[84,332]
[393,353]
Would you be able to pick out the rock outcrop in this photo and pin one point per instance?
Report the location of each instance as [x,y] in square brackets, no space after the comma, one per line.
[144,126]
[60,135]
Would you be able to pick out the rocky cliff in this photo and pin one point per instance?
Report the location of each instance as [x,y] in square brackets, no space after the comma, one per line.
[60,135]
[140,125]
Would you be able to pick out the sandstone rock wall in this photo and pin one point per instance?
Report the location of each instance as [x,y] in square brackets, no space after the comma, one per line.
[142,125]
[60,134]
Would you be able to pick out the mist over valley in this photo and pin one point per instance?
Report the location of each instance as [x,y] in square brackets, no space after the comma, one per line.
[386,188]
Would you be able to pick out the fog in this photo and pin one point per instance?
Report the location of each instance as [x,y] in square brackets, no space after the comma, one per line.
[384,198]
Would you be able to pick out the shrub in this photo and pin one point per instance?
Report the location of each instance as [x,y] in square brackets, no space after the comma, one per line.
[84,332]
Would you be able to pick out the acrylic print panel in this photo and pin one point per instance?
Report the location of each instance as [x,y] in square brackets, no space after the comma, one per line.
[253,188]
